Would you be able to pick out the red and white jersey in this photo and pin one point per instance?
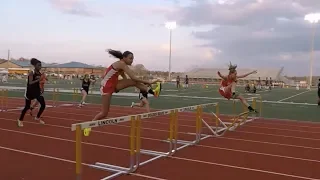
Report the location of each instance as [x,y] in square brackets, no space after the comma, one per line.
[227,82]
[110,80]
[110,76]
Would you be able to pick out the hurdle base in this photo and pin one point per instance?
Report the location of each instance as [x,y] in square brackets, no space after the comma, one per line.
[155,153]
[189,143]
[116,168]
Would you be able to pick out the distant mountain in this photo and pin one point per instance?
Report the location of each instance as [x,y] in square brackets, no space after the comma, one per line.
[72,64]
[139,67]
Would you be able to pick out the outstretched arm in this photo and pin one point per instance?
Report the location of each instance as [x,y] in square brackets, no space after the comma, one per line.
[222,76]
[123,76]
[245,75]
[155,81]
[130,73]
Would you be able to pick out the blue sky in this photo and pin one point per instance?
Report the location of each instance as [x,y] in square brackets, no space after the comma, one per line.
[38,28]
[251,33]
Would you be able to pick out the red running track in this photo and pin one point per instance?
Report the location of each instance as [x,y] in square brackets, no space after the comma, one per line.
[262,149]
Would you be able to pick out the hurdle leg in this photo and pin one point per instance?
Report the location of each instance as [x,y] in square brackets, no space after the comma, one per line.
[54,97]
[78,152]
[6,99]
[1,100]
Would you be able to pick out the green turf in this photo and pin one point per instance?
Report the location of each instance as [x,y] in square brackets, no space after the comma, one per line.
[173,98]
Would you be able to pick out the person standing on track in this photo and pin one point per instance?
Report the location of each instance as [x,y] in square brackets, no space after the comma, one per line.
[33,91]
[228,86]
[186,82]
[86,81]
[43,80]
[319,93]
[111,84]
[178,82]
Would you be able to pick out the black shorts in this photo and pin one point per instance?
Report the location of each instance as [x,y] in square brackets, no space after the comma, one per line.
[33,96]
[319,94]
[85,89]
[143,95]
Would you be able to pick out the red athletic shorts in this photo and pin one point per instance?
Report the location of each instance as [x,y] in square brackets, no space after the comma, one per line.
[226,94]
[109,87]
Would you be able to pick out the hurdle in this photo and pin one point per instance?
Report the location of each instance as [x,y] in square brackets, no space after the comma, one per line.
[173,134]
[135,142]
[134,145]
[221,126]
[198,126]
[4,100]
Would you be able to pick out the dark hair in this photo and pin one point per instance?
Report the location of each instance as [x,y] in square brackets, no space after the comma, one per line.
[119,54]
[34,61]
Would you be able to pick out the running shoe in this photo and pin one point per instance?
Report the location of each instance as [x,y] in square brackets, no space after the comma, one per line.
[39,120]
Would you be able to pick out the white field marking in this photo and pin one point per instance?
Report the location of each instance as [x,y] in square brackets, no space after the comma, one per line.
[287,125]
[278,135]
[290,130]
[67,127]
[249,125]
[204,146]
[244,168]
[62,139]
[293,96]
[258,153]
[195,97]
[270,143]
[66,160]
[273,120]
[237,131]
[112,147]
[96,106]
[159,130]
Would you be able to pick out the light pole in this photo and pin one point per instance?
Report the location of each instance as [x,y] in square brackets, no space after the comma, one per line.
[8,59]
[171,26]
[313,18]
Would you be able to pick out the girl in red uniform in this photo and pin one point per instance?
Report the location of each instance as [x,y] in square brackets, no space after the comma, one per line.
[111,84]
[228,86]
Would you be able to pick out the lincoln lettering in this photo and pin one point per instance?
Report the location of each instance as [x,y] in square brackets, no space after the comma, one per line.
[156,114]
[110,121]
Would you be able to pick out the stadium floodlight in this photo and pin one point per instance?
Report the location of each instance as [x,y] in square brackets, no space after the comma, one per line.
[313,18]
[171,26]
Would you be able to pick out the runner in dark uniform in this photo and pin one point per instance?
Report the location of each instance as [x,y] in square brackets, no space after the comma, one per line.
[143,97]
[259,84]
[86,81]
[33,91]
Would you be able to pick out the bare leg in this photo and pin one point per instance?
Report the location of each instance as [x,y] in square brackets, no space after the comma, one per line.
[244,101]
[125,83]
[84,96]
[141,104]
[146,103]
[106,99]
[34,104]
